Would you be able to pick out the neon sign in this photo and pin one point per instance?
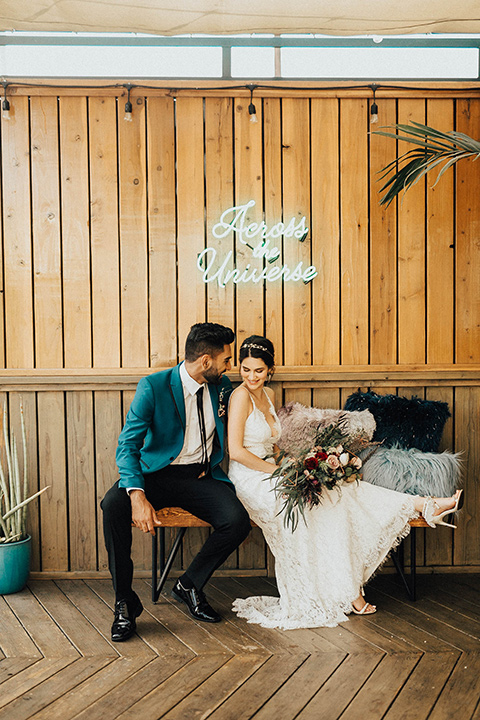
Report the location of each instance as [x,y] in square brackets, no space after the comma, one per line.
[234,220]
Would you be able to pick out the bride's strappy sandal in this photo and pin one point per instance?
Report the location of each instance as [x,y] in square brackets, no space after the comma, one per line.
[429,507]
[365,610]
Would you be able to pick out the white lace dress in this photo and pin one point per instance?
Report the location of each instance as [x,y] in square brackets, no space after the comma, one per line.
[322,566]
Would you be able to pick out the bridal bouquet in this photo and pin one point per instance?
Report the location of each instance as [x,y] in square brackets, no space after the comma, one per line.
[333,460]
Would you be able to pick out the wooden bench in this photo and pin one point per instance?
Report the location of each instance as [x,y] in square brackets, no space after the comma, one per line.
[177,518]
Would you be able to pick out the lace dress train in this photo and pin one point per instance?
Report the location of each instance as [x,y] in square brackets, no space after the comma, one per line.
[322,566]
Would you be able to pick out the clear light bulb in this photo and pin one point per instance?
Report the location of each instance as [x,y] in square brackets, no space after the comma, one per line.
[128,111]
[6,110]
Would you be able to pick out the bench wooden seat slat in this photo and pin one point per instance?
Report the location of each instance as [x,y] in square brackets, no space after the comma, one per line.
[177,517]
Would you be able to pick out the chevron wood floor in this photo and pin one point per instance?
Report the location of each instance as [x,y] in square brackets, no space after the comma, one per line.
[409,661]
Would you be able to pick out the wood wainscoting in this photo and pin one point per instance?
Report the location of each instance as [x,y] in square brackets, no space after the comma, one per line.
[73,419]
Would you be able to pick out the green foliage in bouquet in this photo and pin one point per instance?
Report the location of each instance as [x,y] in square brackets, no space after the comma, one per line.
[14,488]
[332,461]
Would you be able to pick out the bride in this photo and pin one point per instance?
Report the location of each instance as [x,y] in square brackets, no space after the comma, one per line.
[322,566]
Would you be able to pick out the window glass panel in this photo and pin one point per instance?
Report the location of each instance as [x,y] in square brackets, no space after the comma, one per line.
[374,63]
[251,62]
[93,61]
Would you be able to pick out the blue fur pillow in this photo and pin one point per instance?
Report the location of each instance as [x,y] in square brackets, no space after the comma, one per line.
[413,423]
[412,471]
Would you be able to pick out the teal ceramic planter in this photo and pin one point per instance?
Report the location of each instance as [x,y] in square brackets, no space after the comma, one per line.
[14,565]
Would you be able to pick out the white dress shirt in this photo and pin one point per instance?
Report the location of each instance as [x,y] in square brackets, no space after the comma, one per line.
[192,445]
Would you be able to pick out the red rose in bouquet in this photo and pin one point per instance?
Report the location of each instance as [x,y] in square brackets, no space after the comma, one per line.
[311,463]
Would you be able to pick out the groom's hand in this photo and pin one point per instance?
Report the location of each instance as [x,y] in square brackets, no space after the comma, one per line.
[143,513]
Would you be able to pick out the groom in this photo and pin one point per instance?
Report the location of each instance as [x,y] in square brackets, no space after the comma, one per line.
[169,454]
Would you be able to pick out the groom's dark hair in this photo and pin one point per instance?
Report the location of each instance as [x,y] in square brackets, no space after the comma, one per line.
[207,339]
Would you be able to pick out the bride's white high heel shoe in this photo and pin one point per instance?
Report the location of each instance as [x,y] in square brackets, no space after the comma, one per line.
[429,507]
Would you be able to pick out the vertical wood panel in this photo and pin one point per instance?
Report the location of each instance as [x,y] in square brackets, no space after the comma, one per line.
[104,232]
[272,149]
[75,233]
[467,438]
[300,394]
[28,401]
[411,255]
[2,285]
[296,203]
[108,423]
[81,488]
[190,214]
[325,232]
[354,229]
[161,232]
[17,237]
[248,186]
[46,233]
[383,249]
[326,398]
[468,247]
[52,472]
[219,197]
[133,237]
[438,546]
[440,248]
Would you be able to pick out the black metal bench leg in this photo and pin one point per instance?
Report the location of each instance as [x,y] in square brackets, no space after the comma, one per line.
[413,564]
[398,559]
[165,566]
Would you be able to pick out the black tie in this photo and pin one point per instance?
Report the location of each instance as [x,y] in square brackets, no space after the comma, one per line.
[201,422]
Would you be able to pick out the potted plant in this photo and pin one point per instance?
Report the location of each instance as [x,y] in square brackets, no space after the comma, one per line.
[14,540]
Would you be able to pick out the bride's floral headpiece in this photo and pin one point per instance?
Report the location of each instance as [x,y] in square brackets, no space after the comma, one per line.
[258,347]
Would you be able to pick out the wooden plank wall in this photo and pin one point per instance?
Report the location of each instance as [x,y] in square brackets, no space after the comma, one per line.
[102,222]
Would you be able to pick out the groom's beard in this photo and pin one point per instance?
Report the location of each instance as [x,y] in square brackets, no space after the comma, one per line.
[213,376]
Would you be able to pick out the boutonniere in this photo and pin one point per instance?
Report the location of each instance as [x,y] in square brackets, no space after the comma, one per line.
[223,397]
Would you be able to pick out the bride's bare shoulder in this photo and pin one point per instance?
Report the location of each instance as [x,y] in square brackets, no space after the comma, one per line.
[240,395]
[240,404]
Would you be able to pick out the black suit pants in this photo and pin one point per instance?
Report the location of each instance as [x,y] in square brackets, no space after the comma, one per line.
[211,500]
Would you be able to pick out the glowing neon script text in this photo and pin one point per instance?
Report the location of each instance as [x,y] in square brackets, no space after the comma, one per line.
[223,276]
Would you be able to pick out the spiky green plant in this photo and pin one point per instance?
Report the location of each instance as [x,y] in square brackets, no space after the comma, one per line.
[434,149]
[14,489]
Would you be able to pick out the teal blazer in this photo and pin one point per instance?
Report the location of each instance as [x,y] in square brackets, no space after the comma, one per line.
[154,430]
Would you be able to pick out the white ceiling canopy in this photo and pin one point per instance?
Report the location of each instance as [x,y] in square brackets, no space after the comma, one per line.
[174,17]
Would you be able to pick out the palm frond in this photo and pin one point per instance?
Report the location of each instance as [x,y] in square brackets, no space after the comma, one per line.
[433,149]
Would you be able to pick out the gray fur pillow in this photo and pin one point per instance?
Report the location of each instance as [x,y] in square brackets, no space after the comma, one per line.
[300,424]
[413,471]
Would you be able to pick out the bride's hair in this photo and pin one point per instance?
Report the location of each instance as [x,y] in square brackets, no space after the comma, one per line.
[260,347]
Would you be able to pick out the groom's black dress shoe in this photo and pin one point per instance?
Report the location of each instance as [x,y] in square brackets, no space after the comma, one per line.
[196,602]
[124,624]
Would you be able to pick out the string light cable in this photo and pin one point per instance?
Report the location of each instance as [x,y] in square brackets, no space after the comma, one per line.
[249,87]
